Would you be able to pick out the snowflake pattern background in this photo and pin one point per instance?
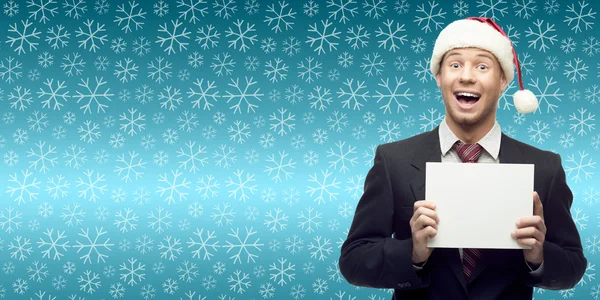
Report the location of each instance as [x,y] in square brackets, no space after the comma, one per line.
[216,149]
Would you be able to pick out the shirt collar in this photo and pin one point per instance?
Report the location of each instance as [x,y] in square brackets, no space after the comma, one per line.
[490,142]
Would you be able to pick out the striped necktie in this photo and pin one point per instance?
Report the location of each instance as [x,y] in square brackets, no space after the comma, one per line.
[468,153]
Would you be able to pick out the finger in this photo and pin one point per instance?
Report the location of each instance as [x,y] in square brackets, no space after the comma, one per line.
[424,221]
[533,243]
[426,232]
[529,232]
[533,221]
[431,232]
[538,208]
[427,212]
[423,203]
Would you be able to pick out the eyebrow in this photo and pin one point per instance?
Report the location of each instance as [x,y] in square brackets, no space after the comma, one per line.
[478,55]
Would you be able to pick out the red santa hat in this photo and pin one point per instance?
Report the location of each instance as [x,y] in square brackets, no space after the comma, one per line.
[485,34]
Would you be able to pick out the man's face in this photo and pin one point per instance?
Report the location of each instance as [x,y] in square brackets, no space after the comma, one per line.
[477,73]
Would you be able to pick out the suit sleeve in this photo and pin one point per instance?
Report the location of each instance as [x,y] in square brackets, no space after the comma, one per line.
[564,262]
[370,257]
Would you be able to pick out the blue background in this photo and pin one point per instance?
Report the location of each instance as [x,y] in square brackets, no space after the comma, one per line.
[214,169]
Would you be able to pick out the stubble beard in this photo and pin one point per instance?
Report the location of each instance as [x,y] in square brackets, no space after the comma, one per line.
[470,121]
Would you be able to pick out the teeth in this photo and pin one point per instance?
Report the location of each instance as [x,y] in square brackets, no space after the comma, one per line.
[467,94]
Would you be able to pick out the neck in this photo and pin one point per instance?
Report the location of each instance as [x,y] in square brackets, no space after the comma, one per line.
[471,133]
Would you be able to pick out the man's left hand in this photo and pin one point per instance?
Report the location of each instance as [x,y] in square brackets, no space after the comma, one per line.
[532,232]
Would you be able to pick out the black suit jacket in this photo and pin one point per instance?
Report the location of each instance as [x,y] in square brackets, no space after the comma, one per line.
[378,250]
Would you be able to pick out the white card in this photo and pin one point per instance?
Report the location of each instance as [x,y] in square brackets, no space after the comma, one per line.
[478,204]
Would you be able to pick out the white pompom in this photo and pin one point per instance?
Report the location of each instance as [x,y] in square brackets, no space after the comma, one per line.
[525,101]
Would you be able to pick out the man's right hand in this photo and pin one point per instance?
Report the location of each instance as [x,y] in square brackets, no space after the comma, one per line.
[423,225]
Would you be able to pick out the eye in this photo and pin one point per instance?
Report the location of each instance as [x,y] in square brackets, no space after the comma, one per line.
[453,64]
[484,67]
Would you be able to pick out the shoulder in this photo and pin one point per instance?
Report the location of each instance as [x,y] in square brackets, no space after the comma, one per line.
[543,159]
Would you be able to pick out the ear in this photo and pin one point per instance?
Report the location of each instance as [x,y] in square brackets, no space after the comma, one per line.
[503,82]
[437,79]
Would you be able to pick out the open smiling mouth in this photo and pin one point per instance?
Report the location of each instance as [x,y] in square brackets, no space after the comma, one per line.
[467,99]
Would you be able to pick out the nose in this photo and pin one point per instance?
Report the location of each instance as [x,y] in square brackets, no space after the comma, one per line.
[467,75]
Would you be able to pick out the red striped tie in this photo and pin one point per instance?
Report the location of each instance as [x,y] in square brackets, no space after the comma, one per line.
[468,153]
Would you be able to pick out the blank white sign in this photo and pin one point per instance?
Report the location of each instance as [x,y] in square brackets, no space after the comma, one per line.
[478,204]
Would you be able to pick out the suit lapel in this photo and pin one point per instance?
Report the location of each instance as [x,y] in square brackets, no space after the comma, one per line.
[430,151]
[509,154]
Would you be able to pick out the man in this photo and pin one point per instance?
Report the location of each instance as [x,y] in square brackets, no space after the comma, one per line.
[386,246]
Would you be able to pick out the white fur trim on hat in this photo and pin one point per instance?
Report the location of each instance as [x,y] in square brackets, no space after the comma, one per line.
[472,33]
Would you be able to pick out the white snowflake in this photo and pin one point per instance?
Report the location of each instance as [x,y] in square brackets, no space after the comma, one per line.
[160,220]
[580,17]
[93,245]
[126,71]
[223,215]
[208,188]
[91,186]
[342,7]
[323,188]
[276,71]
[358,37]
[580,167]
[280,167]
[492,8]
[575,71]
[11,8]
[23,189]
[173,188]
[208,38]
[243,245]
[126,220]
[282,273]
[373,66]
[592,244]
[391,95]
[242,186]
[193,157]
[23,38]
[173,38]
[73,216]
[9,222]
[431,120]
[311,8]
[280,17]
[204,94]
[543,93]
[342,157]
[204,244]
[55,95]
[242,36]
[282,124]
[430,16]
[242,95]
[225,8]
[541,36]
[54,245]
[93,95]
[582,123]
[75,9]
[92,36]
[323,38]
[171,98]
[10,70]
[130,17]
